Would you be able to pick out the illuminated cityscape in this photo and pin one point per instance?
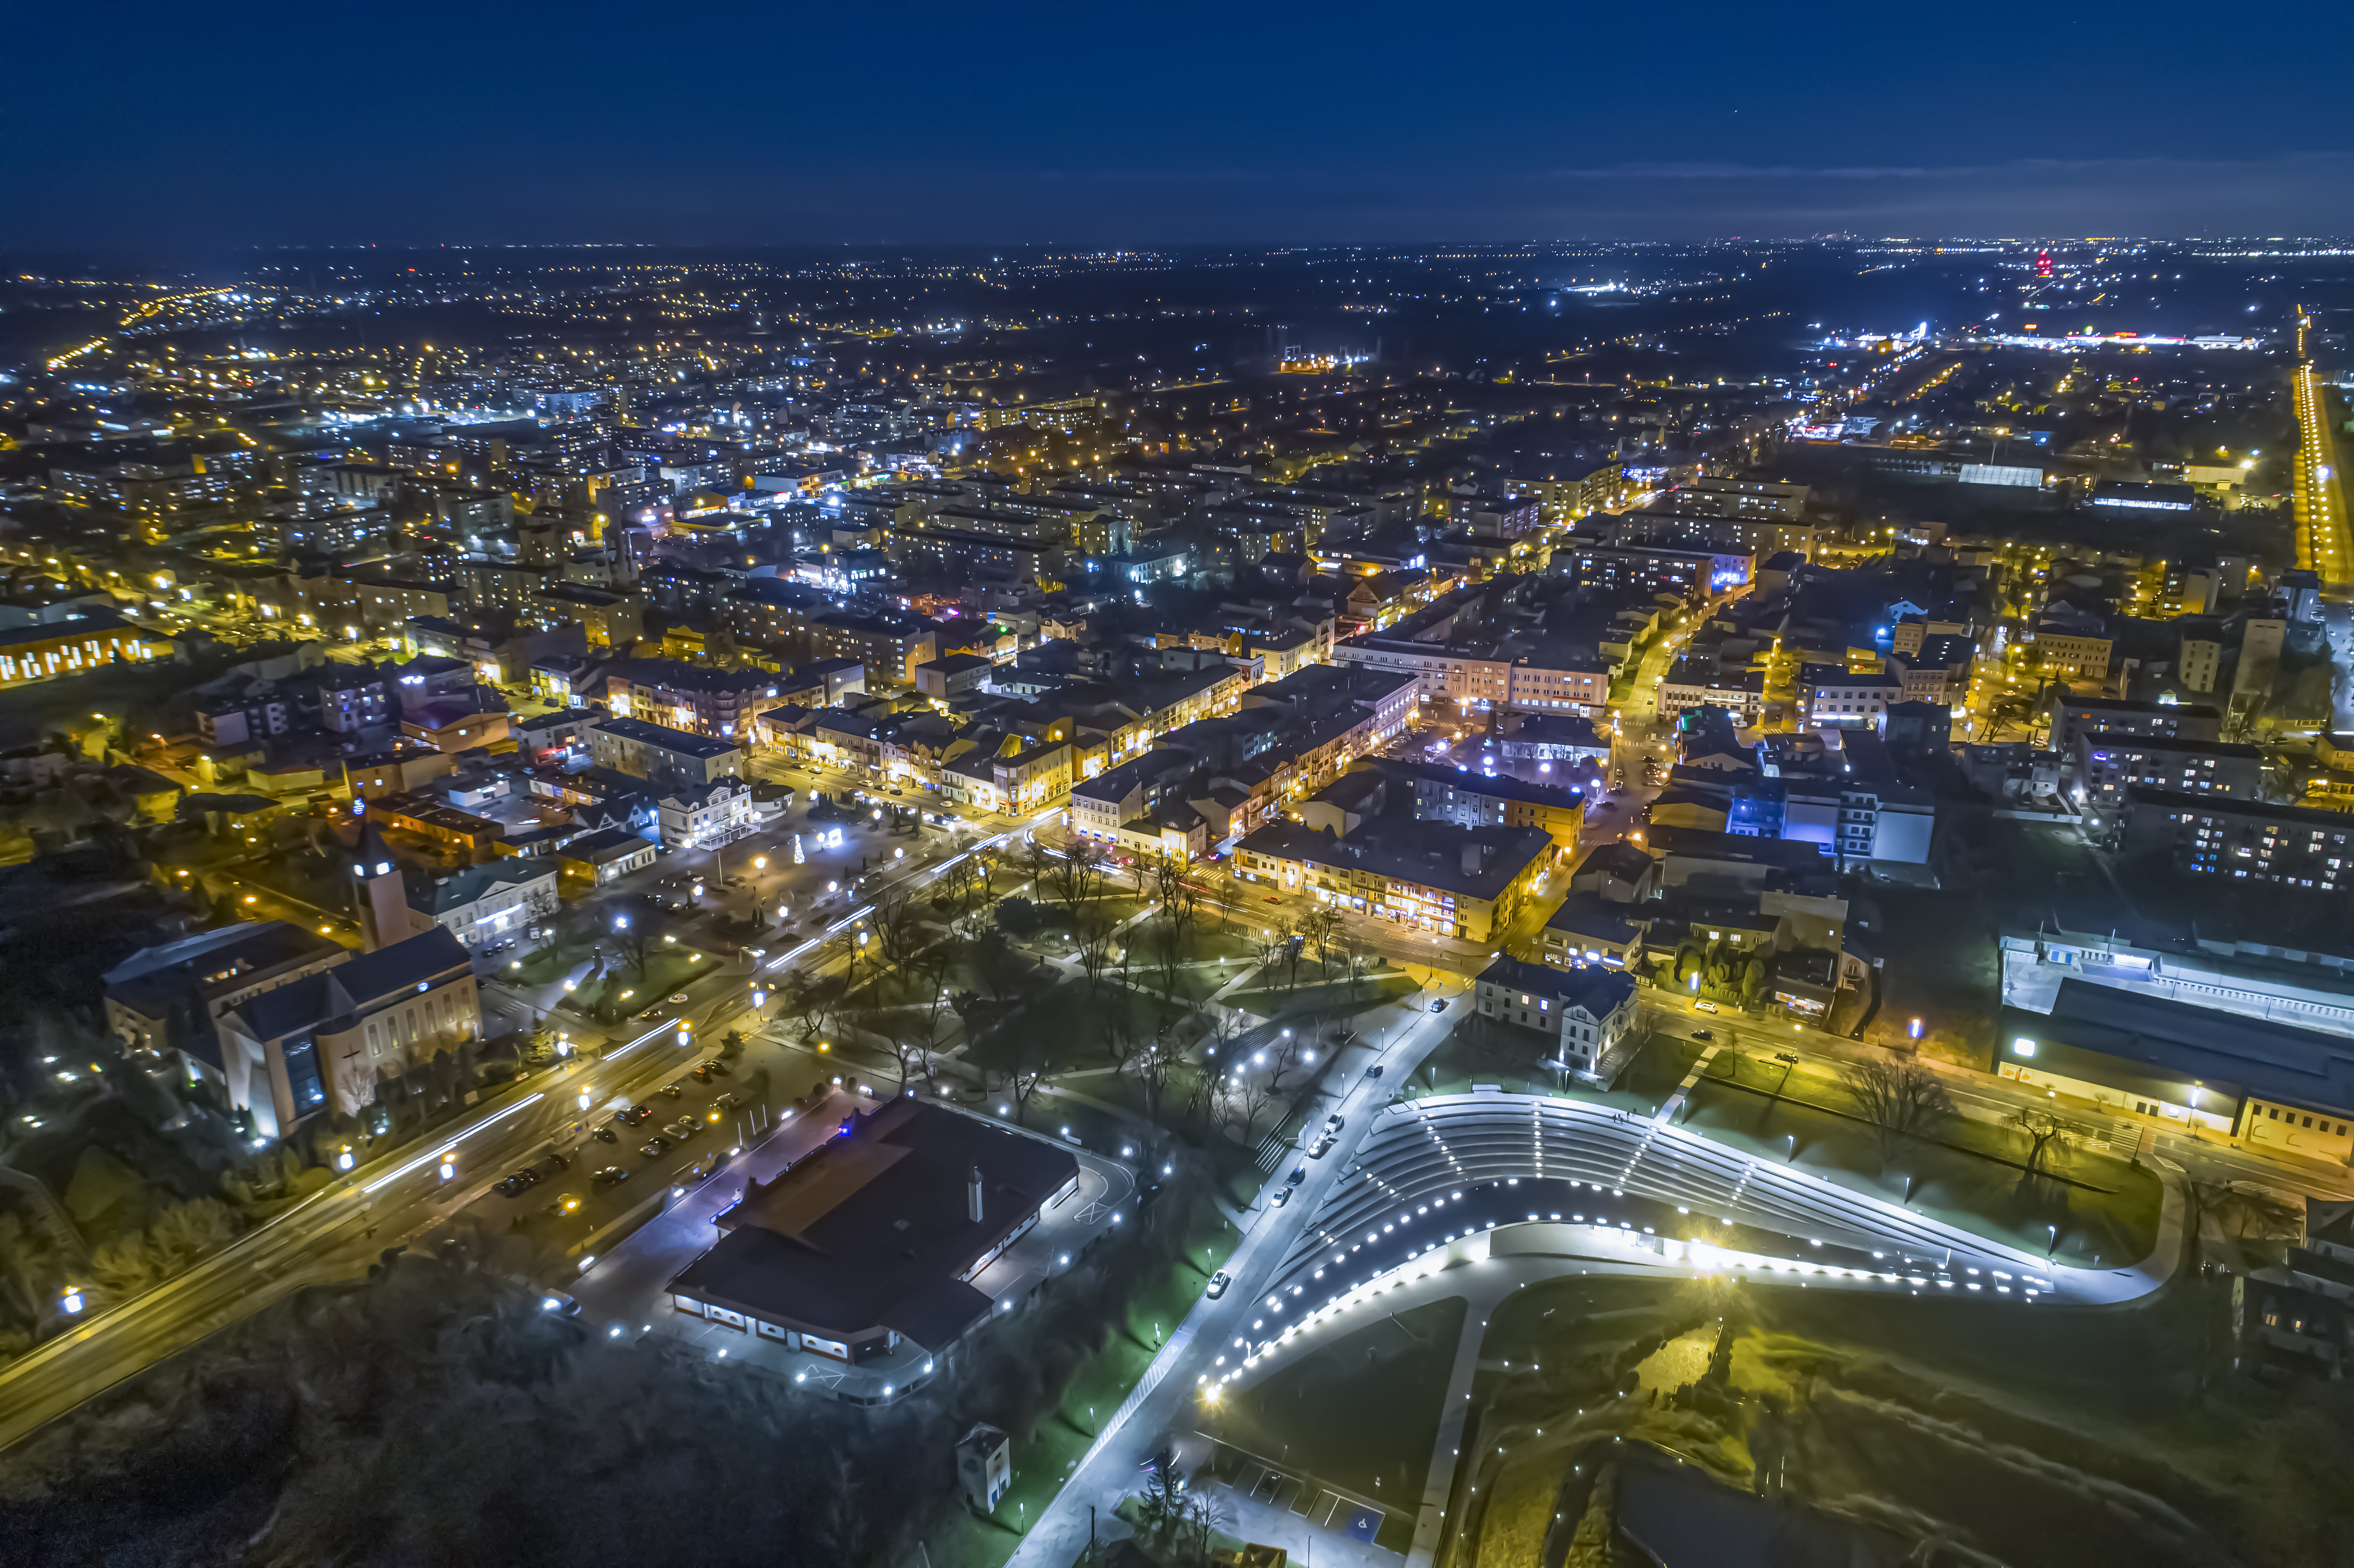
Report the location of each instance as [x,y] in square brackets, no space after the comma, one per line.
[712,854]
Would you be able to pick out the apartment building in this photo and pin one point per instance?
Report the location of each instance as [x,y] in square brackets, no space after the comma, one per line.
[509,899]
[660,754]
[2289,847]
[1690,572]
[1443,793]
[1583,1014]
[969,553]
[704,816]
[1435,877]
[1468,675]
[690,697]
[2073,716]
[1848,702]
[71,647]
[2102,767]
[1021,776]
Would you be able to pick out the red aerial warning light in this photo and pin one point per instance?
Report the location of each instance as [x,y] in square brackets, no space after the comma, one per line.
[2043,263]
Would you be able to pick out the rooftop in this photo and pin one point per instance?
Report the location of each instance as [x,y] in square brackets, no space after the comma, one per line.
[667,740]
[871,1231]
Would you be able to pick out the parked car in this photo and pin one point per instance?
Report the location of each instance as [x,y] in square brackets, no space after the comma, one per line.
[1335,1122]
[564,1204]
[1705,1006]
[562,1305]
[728,1101]
[1701,1035]
[1298,1174]
[672,1091]
[683,1129]
[653,1145]
[1218,1283]
[1282,1196]
[606,1134]
[1321,1146]
[612,1175]
[1439,1006]
[1374,1071]
[636,1116]
[522,1180]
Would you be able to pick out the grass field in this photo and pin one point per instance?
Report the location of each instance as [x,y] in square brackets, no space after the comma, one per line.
[2104,1208]
[1337,998]
[1043,1460]
[1361,1413]
[2026,1437]
[667,969]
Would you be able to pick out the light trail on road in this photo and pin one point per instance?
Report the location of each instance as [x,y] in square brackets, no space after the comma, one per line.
[443,1145]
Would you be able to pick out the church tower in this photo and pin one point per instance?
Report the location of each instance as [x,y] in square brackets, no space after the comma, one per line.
[382,896]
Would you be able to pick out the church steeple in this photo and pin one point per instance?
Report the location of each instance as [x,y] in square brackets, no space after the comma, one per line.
[384,896]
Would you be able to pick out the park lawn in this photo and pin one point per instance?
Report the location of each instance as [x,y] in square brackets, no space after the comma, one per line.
[1065,1028]
[667,969]
[1045,1460]
[551,963]
[1970,1419]
[1478,1051]
[1361,1413]
[1337,998]
[2105,1208]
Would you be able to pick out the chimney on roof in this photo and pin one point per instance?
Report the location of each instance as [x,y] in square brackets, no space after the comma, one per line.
[973,1196]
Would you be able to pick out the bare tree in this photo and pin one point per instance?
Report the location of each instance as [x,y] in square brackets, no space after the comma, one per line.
[2046,1132]
[1901,1098]
[997,968]
[1092,942]
[898,926]
[630,939]
[1077,875]
[1283,1051]
[1035,862]
[1242,1099]
[1321,925]
[918,1044]
[1165,881]
[1022,1083]
[1150,1065]
[1353,955]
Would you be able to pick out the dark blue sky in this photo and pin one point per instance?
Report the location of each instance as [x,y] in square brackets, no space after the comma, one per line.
[187,129]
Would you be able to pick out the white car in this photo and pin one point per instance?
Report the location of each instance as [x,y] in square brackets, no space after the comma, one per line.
[1218,1283]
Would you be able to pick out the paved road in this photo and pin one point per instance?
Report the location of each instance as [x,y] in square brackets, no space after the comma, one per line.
[1200,1347]
[1983,1098]
[400,1195]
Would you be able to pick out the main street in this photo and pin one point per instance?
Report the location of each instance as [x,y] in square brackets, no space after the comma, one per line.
[2324,545]
[397,1195]
[1197,1351]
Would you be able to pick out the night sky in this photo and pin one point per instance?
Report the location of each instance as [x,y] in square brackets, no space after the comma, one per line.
[175,129]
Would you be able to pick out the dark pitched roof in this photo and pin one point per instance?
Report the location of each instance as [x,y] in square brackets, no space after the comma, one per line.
[870,1231]
[1599,991]
[668,739]
[405,965]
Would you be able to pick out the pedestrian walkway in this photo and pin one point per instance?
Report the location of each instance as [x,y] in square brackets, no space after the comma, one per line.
[1670,1107]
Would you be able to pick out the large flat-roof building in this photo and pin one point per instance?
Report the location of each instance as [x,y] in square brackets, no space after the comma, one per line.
[878,1234]
[662,755]
[1466,882]
[2285,1090]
